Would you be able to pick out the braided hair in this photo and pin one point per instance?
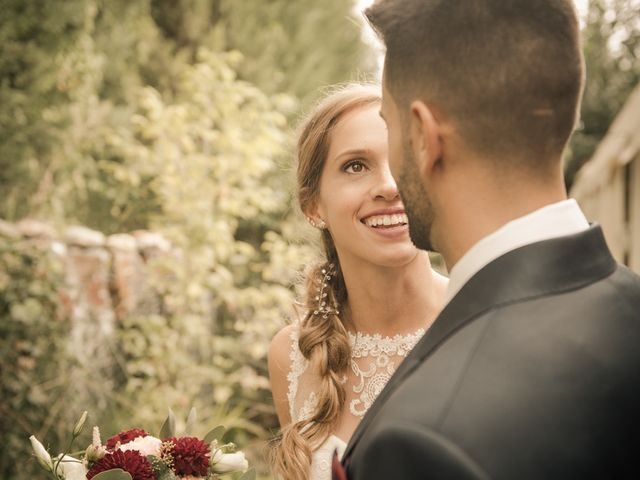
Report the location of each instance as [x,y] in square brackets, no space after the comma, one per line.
[323,338]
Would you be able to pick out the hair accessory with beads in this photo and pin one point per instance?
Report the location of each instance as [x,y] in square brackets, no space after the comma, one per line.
[322,308]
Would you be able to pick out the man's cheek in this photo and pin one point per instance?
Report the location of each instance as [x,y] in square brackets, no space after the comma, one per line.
[396,158]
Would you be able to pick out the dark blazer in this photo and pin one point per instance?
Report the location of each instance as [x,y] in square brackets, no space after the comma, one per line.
[532,371]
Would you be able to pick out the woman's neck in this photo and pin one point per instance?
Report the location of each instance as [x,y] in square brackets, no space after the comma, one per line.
[392,301]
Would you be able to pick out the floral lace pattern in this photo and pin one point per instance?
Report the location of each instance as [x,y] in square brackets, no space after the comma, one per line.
[382,353]
[298,366]
[381,350]
[322,457]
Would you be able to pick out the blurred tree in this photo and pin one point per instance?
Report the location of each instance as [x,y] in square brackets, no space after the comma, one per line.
[69,71]
[33,351]
[292,47]
[34,38]
[611,39]
[171,115]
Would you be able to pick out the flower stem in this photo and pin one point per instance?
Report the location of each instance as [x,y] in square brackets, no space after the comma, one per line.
[66,452]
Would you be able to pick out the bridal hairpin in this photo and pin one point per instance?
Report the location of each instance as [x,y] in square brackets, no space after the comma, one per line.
[324,309]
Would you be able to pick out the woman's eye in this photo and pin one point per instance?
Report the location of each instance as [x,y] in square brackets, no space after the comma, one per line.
[355,166]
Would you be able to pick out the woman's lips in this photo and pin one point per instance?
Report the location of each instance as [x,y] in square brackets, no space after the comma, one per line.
[390,231]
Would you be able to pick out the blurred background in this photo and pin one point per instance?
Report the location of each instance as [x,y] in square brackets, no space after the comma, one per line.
[149,241]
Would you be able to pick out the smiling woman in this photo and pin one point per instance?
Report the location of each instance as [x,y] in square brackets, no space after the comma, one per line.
[367,303]
[358,198]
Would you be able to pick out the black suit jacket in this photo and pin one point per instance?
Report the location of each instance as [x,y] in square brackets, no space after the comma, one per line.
[532,371]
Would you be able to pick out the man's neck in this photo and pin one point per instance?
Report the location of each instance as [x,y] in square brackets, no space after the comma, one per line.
[551,221]
[477,212]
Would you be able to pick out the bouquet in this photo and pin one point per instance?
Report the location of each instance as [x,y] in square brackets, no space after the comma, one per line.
[135,455]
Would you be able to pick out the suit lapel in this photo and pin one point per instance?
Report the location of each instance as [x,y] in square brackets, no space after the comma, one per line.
[534,270]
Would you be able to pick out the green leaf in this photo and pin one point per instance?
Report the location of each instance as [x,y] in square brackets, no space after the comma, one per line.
[248,475]
[167,475]
[161,469]
[156,462]
[168,428]
[191,421]
[215,434]
[114,474]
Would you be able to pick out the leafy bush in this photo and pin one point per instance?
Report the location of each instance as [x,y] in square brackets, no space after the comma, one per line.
[33,354]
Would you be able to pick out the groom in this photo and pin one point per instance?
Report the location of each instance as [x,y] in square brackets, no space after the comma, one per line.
[532,370]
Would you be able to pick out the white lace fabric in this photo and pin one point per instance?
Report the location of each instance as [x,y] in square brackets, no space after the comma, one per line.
[374,358]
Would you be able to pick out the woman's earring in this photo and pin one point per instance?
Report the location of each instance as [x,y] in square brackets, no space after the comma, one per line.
[319,224]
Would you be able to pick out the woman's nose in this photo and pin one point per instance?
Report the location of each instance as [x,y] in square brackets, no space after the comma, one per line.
[385,186]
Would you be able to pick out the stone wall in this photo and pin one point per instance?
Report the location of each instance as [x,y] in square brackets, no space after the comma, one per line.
[106,278]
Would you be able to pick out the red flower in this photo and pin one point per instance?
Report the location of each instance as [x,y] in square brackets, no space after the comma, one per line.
[190,456]
[131,461]
[125,437]
[337,470]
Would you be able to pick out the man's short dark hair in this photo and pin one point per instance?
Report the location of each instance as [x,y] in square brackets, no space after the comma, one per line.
[508,73]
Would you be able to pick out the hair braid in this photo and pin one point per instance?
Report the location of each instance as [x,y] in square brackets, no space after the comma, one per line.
[323,339]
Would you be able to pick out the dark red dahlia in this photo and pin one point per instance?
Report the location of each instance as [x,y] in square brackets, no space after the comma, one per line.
[130,461]
[190,456]
[125,437]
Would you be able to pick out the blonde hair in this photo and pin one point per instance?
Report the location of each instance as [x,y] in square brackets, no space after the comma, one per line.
[323,341]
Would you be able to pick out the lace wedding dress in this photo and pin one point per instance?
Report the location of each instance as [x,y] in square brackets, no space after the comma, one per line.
[374,358]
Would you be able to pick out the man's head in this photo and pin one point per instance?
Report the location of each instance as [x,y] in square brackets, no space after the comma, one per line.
[506,75]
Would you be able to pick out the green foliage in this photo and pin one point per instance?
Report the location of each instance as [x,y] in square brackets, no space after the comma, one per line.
[293,47]
[215,434]
[70,73]
[612,55]
[296,47]
[114,474]
[35,38]
[172,116]
[248,475]
[212,153]
[33,347]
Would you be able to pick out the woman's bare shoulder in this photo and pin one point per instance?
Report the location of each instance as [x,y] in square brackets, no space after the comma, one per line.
[280,347]
[279,363]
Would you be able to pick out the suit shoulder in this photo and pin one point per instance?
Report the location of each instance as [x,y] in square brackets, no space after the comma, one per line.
[410,450]
[627,281]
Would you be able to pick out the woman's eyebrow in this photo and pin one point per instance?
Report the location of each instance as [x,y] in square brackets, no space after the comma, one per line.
[351,152]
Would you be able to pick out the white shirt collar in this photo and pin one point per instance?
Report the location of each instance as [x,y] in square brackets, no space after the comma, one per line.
[551,221]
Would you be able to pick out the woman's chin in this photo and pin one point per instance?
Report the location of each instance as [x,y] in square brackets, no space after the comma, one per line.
[398,256]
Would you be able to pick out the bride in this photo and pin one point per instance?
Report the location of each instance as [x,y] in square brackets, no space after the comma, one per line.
[367,304]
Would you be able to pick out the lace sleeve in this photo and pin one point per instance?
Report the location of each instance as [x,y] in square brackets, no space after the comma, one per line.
[298,366]
[303,383]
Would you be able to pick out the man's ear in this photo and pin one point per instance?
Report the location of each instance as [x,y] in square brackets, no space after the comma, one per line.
[426,142]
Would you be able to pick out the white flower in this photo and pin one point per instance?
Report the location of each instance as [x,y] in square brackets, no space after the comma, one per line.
[144,445]
[94,453]
[72,468]
[228,462]
[96,442]
[44,459]
[78,428]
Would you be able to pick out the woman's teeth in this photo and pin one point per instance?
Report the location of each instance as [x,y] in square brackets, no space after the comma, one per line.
[386,220]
